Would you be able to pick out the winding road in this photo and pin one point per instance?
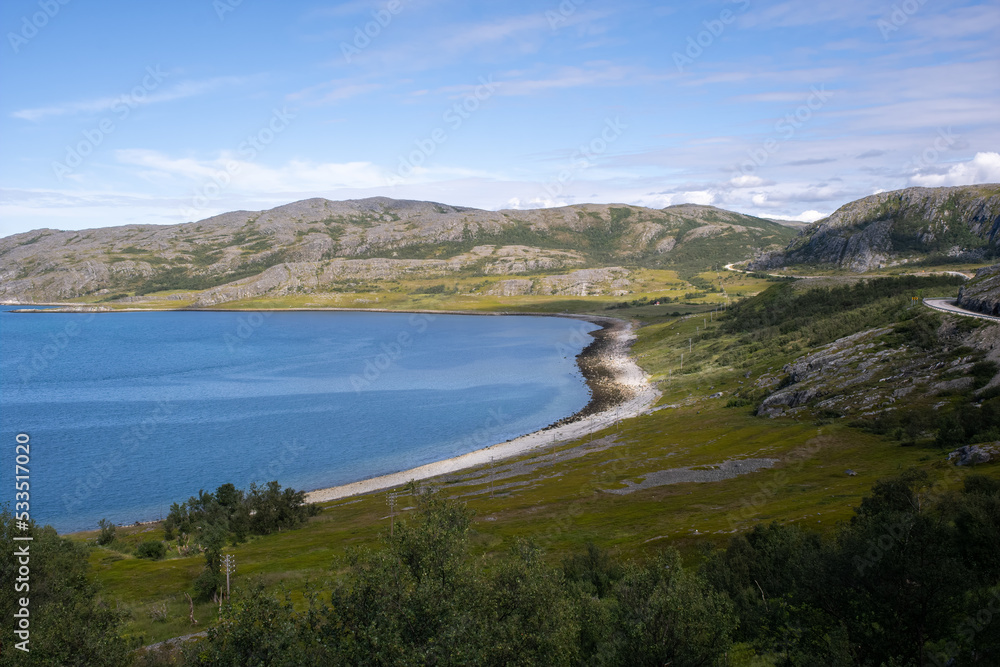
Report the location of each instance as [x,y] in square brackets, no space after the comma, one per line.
[949,306]
[943,305]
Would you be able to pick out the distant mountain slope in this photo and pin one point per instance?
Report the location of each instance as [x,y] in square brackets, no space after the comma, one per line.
[893,226]
[316,244]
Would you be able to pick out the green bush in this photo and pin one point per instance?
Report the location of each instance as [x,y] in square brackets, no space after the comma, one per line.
[107,535]
[151,549]
[433,289]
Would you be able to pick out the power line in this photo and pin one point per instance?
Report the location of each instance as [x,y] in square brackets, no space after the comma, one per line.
[391,502]
[229,563]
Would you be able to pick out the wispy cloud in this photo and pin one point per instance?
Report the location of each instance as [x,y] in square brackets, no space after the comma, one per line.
[596,74]
[178,91]
[335,91]
[293,176]
[794,13]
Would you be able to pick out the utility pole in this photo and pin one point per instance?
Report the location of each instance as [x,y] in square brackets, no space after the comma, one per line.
[689,345]
[491,477]
[391,502]
[228,562]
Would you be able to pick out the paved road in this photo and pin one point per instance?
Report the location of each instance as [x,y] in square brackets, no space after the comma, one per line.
[964,276]
[732,267]
[949,306]
[944,305]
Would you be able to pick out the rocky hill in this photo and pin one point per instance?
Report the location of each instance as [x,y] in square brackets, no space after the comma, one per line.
[982,293]
[895,227]
[321,245]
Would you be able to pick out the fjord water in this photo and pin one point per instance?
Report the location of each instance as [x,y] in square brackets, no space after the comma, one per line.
[129,412]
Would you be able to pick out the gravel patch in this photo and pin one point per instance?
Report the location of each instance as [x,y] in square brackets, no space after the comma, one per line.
[716,473]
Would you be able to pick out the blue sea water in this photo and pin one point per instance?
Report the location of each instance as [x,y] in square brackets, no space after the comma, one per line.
[129,412]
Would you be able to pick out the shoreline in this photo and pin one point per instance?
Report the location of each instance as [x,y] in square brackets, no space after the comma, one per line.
[619,388]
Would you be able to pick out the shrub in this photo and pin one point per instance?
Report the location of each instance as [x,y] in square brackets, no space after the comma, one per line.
[151,549]
[107,535]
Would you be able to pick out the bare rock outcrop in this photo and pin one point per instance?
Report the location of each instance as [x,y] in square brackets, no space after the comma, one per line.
[893,227]
[865,374]
[975,454]
[982,293]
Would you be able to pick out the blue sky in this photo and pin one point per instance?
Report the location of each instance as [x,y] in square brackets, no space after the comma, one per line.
[125,112]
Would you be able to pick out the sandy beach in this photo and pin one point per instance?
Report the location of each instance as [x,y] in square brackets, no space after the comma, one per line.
[619,389]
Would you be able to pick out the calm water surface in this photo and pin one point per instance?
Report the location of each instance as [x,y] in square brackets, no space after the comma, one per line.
[129,412]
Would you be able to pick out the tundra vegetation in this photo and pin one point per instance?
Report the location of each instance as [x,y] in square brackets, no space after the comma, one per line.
[913,578]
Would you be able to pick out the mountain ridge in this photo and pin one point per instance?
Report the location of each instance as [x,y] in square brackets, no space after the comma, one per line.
[322,244]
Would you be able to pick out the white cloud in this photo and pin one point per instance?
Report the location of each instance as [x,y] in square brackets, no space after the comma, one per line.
[747,181]
[983,168]
[657,200]
[805,216]
[701,197]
